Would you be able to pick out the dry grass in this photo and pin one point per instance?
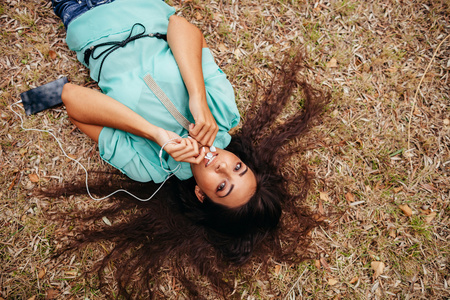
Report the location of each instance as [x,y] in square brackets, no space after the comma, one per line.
[384,143]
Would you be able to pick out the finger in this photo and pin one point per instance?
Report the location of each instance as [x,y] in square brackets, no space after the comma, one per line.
[188,157]
[191,127]
[207,137]
[194,145]
[175,149]
[179,152]
[196,128]
[191,160]
[180,144]
[176,140]
[213,137]
[188,148]
[199,158]
[201,136]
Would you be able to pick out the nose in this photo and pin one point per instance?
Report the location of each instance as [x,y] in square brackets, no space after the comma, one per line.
[221,167]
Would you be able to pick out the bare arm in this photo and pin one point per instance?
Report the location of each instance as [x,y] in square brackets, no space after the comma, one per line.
[186,42]
[89,107]
[91,110]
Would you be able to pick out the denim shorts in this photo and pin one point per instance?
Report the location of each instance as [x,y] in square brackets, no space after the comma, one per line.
[67,10]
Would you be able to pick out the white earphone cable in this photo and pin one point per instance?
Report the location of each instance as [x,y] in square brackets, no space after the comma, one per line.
[86,172]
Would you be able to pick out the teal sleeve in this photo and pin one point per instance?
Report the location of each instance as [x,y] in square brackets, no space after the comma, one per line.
[127,153]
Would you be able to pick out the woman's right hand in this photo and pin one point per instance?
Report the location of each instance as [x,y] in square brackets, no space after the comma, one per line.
[181,149]
[205,128]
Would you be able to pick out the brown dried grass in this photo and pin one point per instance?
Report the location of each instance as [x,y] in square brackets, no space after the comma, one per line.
[384,143]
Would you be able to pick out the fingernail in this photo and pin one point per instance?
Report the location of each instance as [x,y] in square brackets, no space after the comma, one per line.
[212,149]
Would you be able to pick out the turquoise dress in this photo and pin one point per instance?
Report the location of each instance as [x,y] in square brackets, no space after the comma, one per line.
[122,79]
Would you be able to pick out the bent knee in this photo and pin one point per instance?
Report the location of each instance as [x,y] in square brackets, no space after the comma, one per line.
[175,18]
[68,97]
[67,92]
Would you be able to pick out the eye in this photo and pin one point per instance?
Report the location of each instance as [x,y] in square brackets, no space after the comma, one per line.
[221,186]
[238,167]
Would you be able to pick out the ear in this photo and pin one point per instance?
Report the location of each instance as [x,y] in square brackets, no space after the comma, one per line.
[199,193]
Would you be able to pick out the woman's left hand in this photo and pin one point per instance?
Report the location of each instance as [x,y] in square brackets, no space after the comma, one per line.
[181,149]
[205,128]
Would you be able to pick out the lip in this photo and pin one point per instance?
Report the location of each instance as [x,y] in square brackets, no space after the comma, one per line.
[210,162]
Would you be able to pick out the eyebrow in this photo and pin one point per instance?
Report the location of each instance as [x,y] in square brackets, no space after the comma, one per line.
[243,173]
[232,186]
[229,191]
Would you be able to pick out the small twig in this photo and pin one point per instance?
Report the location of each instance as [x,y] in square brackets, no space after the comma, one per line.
[417,92]
[295,284]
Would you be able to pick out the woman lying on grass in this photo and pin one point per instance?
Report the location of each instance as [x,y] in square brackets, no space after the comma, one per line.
[227,198]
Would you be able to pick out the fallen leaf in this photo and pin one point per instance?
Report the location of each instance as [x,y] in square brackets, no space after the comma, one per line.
[107,221]
[320,216]
[354,280]
[325,264]
[317,263]
[277,270]
[392,233]
[222,47]
[42,273]
[71,156]
[33,177]
[23,151]
[350,197]
[379,185]
[332,63]
[446,122]
[406,209]
[429,187]
[408,154]
[332,281]
[51,294]
[321,210]
[429,218]
[217,17]
[11,186]
[71,273]
[256,71]
[237,53]
[31,298]
[398,189]
[198,16]
[393,70]
[425,211]
[378,267]
[52,54]
[324,196]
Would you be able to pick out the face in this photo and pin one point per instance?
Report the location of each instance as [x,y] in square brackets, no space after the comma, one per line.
[225,179]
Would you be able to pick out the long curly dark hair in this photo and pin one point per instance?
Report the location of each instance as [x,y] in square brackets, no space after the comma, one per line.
[176,230]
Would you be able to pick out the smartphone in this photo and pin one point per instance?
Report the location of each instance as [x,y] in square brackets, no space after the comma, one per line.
[43,97]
